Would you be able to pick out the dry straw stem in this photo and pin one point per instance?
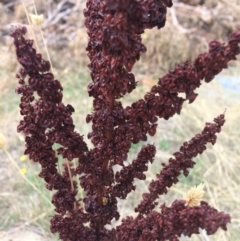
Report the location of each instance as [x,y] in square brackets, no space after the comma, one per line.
[2,142]
[27,223]
[71,180]
[38,20]
[30,24]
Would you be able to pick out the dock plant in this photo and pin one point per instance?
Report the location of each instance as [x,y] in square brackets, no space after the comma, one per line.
[114,28]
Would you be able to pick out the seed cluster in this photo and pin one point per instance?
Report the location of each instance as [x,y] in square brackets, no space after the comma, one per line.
[114,28]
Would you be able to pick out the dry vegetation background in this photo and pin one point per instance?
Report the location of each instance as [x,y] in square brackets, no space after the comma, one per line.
[25,205]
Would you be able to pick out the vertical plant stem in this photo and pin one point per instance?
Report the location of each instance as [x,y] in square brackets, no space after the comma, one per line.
[30,24]
[109,135]
[71,180]
[43,39]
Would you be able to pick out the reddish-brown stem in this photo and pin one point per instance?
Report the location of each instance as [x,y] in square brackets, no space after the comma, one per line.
[109,134]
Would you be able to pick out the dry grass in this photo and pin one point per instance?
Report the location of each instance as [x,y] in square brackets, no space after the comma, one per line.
[187,32]
[218,167]
[23,206]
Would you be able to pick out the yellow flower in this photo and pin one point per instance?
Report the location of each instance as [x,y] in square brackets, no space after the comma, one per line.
[36,19]
[23,158]
[2,142]
[23,170]
[194,195]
